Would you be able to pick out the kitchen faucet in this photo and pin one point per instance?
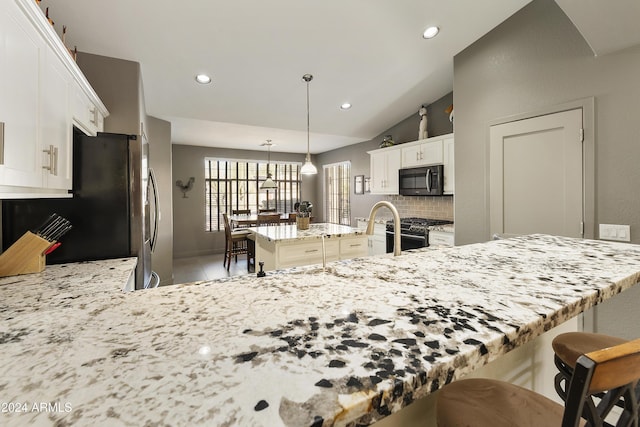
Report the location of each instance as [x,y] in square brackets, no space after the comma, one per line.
[396,224]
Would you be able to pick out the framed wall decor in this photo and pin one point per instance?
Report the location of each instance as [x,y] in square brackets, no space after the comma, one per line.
[358,184]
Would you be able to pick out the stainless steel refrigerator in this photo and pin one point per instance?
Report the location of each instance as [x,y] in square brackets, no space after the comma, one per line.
[113,209]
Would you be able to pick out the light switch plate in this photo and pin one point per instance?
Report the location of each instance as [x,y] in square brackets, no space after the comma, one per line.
[617,232]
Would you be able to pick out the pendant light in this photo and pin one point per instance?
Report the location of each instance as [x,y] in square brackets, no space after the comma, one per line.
[268,183]
[308,168]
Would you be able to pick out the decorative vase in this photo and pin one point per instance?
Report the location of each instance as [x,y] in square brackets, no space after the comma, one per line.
[302,222]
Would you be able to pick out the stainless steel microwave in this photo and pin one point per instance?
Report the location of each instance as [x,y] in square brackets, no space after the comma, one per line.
[422,181]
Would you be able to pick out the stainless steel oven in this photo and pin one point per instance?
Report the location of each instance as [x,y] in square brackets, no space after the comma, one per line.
[414,232]
[407,241]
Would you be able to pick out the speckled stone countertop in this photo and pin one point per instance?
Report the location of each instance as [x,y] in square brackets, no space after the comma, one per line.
[447,228]
[377,219]
[301,347]
[316,231]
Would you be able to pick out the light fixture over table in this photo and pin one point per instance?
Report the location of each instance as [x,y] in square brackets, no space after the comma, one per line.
[268,183]
[308,168]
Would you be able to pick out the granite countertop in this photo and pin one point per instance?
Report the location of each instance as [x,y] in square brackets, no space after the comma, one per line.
[303,347]
[316,231]
[377,219]
[446,228]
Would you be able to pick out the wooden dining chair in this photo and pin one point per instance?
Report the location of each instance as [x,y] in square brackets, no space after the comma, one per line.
[612,371]
[241,211]
[292,218]
[235,242]
[268,219]
[241,224]
[266,210]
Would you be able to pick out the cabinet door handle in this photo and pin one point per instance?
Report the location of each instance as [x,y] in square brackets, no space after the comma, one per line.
[309,251]
[51,167]
[355,245]
[93,119]
[54,163]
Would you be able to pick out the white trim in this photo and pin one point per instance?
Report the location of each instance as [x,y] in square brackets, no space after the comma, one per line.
[37,18]
[224,159]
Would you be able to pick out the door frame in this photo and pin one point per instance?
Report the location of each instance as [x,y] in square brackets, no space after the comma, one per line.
[588,157]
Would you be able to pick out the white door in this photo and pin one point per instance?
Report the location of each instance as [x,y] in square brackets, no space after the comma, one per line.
[536,175]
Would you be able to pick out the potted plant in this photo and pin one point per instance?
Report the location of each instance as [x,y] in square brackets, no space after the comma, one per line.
[303,215]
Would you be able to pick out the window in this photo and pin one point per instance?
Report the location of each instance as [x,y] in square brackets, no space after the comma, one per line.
[337,184]
[232,184]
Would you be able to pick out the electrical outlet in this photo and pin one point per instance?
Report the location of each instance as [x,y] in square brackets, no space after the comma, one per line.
[617,232]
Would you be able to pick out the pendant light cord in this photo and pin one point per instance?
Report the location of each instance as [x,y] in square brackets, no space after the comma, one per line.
[308,168]
[308,156]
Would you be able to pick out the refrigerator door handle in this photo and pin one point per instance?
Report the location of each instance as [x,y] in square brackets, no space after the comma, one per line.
[156,207]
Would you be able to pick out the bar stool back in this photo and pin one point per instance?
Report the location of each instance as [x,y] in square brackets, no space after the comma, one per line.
[613,371]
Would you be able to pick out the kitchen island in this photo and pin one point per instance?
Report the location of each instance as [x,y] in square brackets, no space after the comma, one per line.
[305,347]
[284,246]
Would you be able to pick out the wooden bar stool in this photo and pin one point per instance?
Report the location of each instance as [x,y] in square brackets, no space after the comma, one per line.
[568,347]
[235,242]
[613,371]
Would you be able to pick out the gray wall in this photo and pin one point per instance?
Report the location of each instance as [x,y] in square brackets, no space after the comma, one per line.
[405,131]
[118,84]
[190,239]
[533,61]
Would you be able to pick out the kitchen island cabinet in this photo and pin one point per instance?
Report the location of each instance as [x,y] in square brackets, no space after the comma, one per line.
[344,346]
[284,246]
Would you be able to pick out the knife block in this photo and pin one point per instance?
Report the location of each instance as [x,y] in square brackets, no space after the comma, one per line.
[25,256]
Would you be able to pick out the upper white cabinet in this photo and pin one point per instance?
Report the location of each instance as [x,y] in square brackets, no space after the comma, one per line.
[56,134]
[425,152]
[39,87]
[20,52]
[385,164]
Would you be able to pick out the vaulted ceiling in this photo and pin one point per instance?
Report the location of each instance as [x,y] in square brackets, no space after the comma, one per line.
[369,53]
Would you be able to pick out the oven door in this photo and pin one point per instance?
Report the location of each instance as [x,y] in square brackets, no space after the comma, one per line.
[407,241]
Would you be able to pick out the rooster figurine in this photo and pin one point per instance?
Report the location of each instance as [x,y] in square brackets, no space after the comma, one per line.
[185,187]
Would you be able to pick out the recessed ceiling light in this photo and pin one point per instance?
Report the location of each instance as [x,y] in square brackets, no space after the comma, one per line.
[430,32]
[203,79]
[345,106]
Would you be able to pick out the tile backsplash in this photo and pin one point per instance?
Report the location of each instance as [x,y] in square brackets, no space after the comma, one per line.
[432,207]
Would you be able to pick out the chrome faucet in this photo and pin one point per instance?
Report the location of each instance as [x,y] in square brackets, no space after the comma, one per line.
[396,224]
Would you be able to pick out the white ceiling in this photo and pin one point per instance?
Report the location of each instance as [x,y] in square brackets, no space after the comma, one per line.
[607,26]
[366,52]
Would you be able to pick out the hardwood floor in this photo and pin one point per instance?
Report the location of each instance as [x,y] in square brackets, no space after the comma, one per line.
[206,267]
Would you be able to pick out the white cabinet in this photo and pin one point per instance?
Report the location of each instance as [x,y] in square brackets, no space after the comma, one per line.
[441,238]
[55,133]
[86,115]
[449,170]
[428,152]
[432,151]
[20,51]
[293,254]
[377,244]
[39,85]
[385,164]
[353,247]
[278,254]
